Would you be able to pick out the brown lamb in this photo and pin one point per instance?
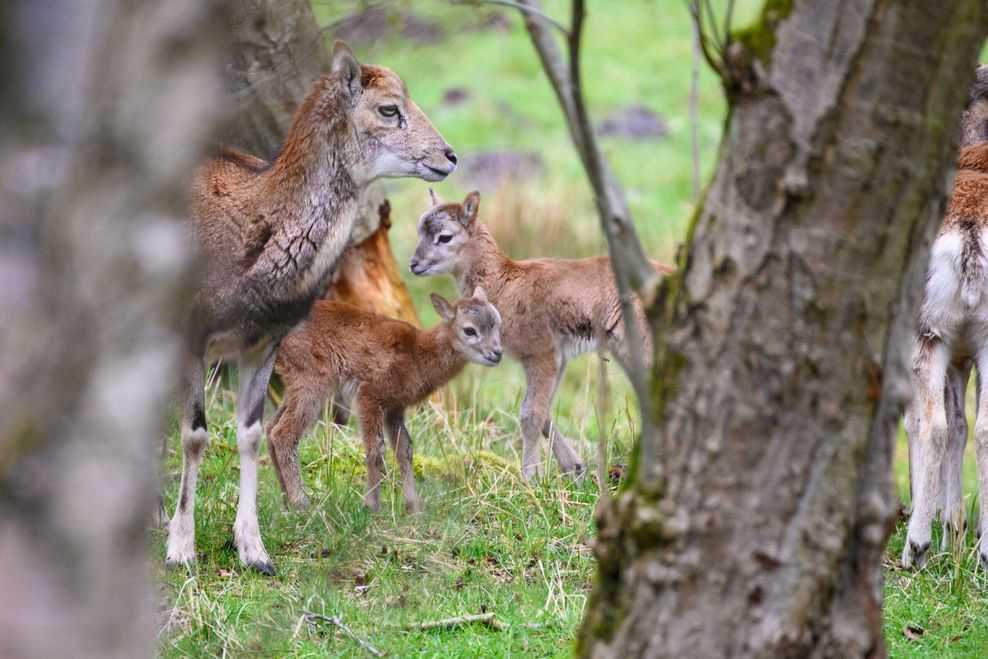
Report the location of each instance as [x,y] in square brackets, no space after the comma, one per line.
[386,365]
[553,310]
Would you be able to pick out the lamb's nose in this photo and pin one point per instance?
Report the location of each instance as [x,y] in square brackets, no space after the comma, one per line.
[496,355]
[451,155]
[414,265]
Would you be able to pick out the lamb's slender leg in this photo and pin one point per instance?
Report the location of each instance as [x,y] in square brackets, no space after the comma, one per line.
[297,413]
[540,374]
[401,444]
[981,452]
[567,458]
[929,374]
[254,372]
[371,429]
[953,466]
[181,547]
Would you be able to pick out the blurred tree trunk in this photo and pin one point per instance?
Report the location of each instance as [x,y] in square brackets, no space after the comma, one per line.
[104,108]
[756,526]
[279,51]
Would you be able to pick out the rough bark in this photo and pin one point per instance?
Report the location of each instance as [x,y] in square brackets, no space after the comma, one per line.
[104,108]
[278,52]
[779,375]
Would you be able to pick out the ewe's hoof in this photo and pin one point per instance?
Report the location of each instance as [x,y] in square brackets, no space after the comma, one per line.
[914,554]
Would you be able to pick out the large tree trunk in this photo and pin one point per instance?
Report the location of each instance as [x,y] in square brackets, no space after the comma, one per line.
[756,526]
[279,51]
[103,113]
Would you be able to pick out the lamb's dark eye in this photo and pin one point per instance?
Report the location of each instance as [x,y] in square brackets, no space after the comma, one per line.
[387,110]
[445,238]
[469,331]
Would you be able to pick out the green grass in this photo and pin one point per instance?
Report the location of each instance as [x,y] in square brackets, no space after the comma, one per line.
[486,541]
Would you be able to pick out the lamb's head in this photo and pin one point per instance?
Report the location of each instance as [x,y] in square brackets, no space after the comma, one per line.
[394,137]
[974,121]
[444,232]
[475,326]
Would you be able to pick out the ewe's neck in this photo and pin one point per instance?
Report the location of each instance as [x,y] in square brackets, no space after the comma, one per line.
[484,263]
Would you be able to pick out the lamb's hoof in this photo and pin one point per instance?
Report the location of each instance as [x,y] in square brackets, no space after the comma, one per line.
[983,555]
[914,554]
[579,472]
[264,567]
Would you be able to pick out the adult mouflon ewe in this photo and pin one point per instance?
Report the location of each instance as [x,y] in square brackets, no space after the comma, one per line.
[951,337]
[267,236]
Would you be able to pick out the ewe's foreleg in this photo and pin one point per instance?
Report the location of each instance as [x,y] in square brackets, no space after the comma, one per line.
[929,375]
[254,372]
[540,375]
[181,547]
[567,458]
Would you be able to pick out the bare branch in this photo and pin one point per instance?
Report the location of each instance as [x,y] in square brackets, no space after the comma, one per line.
[525,9]
[694,120]
[313,618]
[487,619]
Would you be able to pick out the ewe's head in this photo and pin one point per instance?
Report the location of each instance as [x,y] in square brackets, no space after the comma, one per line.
[974,121]
[443,233]
[475,326]
[394,137]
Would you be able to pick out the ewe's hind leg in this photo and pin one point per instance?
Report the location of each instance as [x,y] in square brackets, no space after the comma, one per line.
[981,453]
[371,428]
[296,414]
[181,547]
[401,444]
[929,375]
[952,469]
[567,458]
[254,371]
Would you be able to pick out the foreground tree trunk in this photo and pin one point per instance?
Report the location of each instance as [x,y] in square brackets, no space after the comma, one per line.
[278,52]
[103,113]
[756,526]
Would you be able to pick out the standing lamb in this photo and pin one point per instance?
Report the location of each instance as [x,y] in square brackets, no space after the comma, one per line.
[267,235]
[553,310]
[951,336]
[386,365]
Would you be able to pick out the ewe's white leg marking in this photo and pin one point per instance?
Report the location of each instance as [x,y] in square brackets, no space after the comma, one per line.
[929,375]
[181,547]
[255,371]
[981,451]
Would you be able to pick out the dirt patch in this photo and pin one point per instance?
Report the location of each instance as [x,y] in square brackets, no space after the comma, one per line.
[488,169]
[634,121]
[494,20]
[378,23]
[456,96]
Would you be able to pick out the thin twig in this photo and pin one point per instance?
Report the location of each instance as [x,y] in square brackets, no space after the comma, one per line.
[487,619]
[694,120]
[525,9]
[603,394]
[313,618]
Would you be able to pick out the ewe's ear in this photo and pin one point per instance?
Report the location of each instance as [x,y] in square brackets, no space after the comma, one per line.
[479,294]
[468,213]
[434,197]
[346,66]
[445,310]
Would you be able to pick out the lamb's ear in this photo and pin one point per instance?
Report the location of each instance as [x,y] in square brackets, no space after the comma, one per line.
[468,212]
[434,197]
[445,310]
[479,294]
[345,65]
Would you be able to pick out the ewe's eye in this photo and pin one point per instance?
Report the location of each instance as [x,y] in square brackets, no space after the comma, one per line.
[445,238]
[469,331]
[387,110]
